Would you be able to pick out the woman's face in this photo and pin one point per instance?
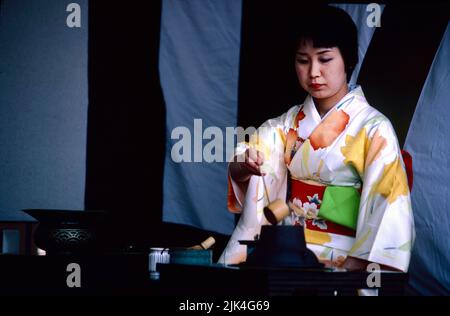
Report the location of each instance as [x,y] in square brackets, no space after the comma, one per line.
[321,71]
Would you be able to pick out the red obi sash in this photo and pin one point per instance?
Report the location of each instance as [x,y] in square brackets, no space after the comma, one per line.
[308,198]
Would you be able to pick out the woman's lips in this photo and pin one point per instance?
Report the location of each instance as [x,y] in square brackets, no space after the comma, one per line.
[315,86]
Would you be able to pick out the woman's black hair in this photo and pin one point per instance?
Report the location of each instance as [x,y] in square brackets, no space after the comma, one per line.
[328,26]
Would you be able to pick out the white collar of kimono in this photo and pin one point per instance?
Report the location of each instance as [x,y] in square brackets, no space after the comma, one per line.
[311,110]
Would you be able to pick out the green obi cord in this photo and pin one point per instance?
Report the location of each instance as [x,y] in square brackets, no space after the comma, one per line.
[340,205]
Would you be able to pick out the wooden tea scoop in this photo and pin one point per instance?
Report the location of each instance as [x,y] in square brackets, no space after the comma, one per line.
[204,245]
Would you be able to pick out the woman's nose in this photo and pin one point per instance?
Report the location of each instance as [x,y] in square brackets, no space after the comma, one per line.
[314,70]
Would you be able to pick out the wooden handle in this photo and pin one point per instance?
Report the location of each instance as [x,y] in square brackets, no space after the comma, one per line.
[205,244]
[208,243]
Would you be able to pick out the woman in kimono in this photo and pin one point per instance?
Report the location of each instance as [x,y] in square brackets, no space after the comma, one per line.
[341,157]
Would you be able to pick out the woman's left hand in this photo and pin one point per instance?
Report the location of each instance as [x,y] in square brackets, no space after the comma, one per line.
[356,264]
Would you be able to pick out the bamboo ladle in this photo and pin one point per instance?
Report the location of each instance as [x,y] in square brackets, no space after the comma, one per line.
[275,211]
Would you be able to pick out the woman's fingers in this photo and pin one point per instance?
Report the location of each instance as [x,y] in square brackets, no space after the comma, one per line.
[259,158]
[255,156]
[253,168]
[253,160]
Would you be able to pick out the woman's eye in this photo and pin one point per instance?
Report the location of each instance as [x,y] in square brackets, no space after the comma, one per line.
[302,61]
[325,60]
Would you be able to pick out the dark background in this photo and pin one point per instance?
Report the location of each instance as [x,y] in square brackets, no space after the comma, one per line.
[126,122]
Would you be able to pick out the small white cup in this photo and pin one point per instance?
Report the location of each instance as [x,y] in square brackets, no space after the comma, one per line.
[157,255]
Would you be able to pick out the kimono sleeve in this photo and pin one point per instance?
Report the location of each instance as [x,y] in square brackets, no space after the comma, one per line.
[269,138]
[385,228]
[251,197]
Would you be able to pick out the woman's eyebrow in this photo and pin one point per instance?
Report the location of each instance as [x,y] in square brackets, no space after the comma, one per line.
[324,51]
[318,53]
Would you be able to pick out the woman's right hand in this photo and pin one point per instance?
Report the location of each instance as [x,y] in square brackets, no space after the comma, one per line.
[244,166]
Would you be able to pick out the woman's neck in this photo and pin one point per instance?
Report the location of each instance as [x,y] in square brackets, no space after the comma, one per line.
[326,104]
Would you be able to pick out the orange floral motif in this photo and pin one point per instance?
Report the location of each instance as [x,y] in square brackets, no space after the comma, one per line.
[330,128]
[292,140]
[233,205]
[300,116]
[290,143]
[377,144]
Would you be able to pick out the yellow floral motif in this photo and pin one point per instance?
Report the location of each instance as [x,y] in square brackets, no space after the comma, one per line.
[257,142]
[355,150]
[393,182]
[282,136]
[406,246]
[386,254]
[259,211]
[319,169]
[325,254]
[316,237]
[305,155]
[360,151]
[360,241]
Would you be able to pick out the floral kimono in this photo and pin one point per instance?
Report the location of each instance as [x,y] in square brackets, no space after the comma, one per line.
[346,181]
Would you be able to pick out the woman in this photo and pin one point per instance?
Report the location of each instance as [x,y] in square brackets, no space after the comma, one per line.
[339,155]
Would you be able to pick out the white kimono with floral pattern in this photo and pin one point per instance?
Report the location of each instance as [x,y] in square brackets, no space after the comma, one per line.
[352,145]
